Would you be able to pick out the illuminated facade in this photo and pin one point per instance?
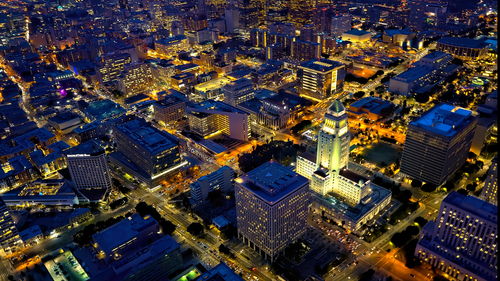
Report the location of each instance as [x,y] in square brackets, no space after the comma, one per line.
[88,166]
[10,240]
[211,116]
[271,208]
[136,79]
[146,152]
[319,79]
[462,241]
[238,91]
[222,180]
[338,191]
[490,187]
[112,66]
[437,143]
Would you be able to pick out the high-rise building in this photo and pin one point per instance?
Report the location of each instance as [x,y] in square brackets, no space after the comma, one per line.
[222,180]
[462,241]
[339,193]
[88,167]
[10,240]
[210,117]
[305,50]
[146,152]
[489,193]
[340,24]
[319,79]
[271,208]
[238,91]
[437,143]
[112,66]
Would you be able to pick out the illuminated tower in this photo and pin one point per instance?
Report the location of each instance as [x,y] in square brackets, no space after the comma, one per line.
[333,139]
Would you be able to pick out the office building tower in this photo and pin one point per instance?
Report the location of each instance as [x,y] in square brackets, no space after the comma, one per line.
[112,66]
[333,139]
[170,109]
[222,180]
[146,152]
[232,19]
[319,79]
[212,117]
[340,24]
[271,208]
[10,240]
[437,143]
[88,167]
[340,194]
[135,79]
[462,241]
[305,50]
[238,91]
[489,193]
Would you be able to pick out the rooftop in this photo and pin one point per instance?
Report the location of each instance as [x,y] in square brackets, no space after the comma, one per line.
[103,109]
[414,73]
[372,104]
[463,42]
[213,84]
[217,106]
[271,181]
[357,32]
[473,205]
[322,65]
[91,147]
[444,119]
[146,136]
[122,232]
[221,272]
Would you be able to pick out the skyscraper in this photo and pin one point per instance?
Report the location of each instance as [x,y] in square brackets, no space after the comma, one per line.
[339,193]
[9,236]
[320,78]
[271,208]
[88,167]
[146,152]
[437,143]
[462,241]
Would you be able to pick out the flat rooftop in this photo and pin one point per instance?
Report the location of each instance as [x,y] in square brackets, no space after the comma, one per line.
[272,181]
[91,147]
[473,205]
[463,42]
[122,232]
[357,32]
[147,136]
[221,272]
[444,119]
[104,109]
[371,104]
[217,106]
[414,73]
[321,65]
[212,85]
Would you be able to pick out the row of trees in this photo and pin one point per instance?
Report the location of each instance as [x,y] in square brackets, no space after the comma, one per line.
[280,151]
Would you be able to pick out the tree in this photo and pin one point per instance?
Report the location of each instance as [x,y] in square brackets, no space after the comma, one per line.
[359,94]
[428,187]
[412,230]
[422,97]
[367,275]
[195,229]
[167,226]
[416,183]
[421,221]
